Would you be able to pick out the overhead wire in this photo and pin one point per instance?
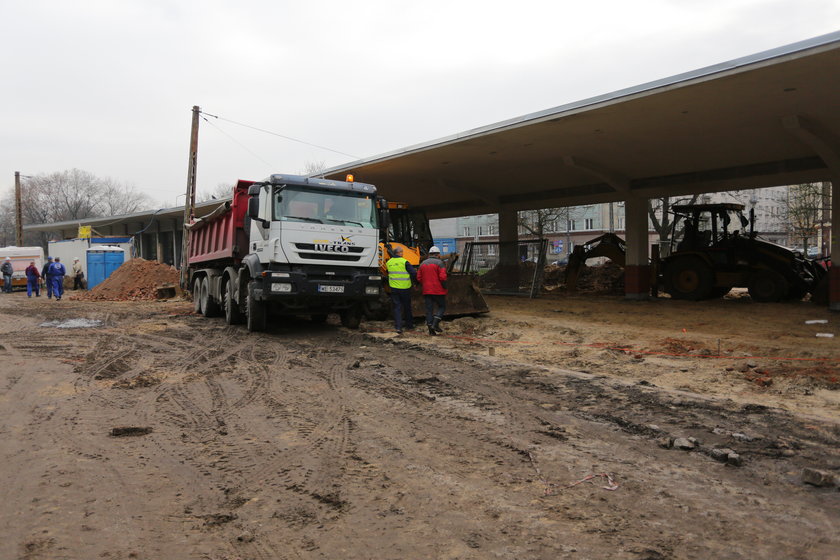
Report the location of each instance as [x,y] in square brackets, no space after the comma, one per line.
[235,141]
[280,135]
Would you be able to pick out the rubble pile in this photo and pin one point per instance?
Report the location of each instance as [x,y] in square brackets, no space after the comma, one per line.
[604,279]
[135,280]
[523,271]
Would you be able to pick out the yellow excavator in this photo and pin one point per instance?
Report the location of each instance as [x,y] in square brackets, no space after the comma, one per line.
[409,229]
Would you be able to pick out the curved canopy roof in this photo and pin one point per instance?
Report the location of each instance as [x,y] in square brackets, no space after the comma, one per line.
[732,125]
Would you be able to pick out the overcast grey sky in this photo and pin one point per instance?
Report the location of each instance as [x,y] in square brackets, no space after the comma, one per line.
[108,86]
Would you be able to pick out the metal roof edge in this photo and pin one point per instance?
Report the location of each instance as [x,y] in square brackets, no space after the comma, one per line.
[831,40]
[122,217]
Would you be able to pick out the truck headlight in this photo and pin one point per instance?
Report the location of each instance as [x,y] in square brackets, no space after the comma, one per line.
[281,287]
[375,278]
[371,290]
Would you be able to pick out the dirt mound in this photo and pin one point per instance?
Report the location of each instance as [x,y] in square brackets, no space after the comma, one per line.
[137,279]
[604,279]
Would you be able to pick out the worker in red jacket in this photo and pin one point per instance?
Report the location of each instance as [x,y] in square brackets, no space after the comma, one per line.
[432,277]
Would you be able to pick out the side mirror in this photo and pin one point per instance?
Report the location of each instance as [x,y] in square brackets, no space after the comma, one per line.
[384,214]
[254,211]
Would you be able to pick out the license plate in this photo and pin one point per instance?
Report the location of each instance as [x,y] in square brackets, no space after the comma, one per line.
[331,289]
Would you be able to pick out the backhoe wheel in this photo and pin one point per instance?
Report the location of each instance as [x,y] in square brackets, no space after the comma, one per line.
[196,294]
[255,310]
[689,278]
[209,307]
[767,285]
[351,318]
[233,315]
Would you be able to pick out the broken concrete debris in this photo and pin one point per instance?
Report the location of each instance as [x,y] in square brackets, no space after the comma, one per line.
[819,478]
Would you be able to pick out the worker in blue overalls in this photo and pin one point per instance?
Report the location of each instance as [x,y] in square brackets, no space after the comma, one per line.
[33,280]
[45,274]
[56,273]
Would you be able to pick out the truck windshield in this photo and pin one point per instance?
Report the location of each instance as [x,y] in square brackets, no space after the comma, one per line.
[298,204]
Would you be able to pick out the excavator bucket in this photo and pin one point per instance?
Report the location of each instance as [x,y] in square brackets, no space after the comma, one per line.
[463,297]
[608,245]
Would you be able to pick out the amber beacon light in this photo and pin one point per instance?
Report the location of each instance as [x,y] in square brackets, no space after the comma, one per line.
[349,178]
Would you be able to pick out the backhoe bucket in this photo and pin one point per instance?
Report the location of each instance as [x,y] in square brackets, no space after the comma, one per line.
[463,297]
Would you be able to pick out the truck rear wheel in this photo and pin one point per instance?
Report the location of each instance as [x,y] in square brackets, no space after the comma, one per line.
[233,315]
[351,318]
[688,278]
[767,286]
[209,306]
[255,320]
[196,295]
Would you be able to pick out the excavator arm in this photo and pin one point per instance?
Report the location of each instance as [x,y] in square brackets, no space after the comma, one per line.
[608,245]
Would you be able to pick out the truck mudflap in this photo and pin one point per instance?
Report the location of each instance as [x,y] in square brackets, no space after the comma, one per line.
[308,292]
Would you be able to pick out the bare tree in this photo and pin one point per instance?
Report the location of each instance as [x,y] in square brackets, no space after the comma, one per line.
[121,198]
[221,192]
[804,212]
[314,168]
[659,212]
[7,221]
[540,222]
[68,196]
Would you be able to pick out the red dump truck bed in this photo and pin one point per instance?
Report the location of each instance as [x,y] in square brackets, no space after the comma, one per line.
[221,235]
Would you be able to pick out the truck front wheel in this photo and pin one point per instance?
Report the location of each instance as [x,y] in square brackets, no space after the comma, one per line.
[255,310]
[351,318]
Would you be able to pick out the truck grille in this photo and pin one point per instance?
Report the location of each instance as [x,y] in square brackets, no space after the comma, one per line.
[308,251]
[311,247]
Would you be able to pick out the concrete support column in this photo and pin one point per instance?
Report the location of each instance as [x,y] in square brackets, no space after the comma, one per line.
[834,273]
[158,246]
[508,249]
[508,236]
[827,146]
[637,267]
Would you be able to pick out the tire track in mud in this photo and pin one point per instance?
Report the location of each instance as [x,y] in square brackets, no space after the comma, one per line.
[73,432]
[249,448]
[194,401]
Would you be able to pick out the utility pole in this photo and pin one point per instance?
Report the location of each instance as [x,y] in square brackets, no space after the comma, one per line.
[18,213]
[189,202]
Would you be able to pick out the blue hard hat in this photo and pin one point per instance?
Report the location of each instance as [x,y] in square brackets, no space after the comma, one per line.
[49,258]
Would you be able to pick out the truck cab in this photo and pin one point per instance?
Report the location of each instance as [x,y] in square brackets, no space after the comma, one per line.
[313,245]
[290,245]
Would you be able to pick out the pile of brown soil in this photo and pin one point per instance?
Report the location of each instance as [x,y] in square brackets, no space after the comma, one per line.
[137,279]
[604,279]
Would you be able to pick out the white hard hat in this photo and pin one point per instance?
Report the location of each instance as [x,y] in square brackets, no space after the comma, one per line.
[75,258]
[434,249]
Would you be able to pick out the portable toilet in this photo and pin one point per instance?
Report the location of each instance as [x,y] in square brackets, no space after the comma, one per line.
[101,262]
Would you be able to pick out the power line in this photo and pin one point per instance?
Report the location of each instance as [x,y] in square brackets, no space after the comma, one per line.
[280,135]
[240,144]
